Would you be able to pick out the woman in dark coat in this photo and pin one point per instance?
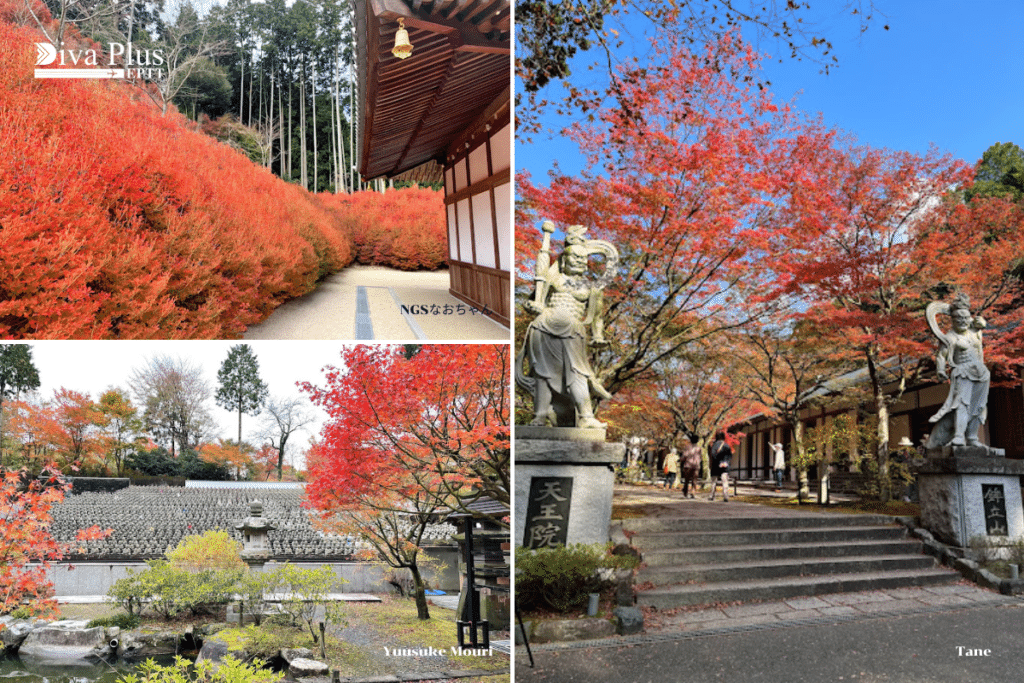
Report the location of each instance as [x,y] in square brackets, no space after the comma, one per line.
[720,458]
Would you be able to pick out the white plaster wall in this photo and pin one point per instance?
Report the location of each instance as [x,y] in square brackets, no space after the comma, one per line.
[503,212]
[91,578]
[483,230]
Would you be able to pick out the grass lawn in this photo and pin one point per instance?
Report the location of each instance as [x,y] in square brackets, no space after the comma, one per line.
[896,508]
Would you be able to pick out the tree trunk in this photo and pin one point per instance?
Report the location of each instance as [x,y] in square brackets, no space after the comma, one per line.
[882,434]
[336,107]
[280,112]
[804,490]
[420,591]
[241,86]
[312,87]
[251,67]
[303,152]
[353,182]
[291,116]
[884,484]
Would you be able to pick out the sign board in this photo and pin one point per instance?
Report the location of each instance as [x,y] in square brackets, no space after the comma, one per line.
[547,513]
[994,500]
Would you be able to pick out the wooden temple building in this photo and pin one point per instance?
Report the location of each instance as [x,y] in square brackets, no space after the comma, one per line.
[443,114]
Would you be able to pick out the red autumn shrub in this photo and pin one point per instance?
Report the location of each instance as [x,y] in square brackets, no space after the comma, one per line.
[117,222]
[403,229]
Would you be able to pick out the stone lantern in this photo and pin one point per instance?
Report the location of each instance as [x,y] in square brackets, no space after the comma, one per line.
[255,540]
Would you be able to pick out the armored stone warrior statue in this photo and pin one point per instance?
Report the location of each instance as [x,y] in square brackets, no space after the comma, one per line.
[568,302]
[961,361]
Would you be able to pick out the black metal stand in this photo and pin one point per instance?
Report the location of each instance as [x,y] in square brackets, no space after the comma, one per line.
[526,641]
[471,620]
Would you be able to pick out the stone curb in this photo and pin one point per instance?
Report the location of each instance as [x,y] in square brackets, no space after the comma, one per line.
[969,569]
[425,676]
[655,638]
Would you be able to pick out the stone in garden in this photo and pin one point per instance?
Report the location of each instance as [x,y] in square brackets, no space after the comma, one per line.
[563,630]
[300,668]
[145,643]
[289,654]
[65,641]
[255,535]
[630,620]
[212,650]
[13,632]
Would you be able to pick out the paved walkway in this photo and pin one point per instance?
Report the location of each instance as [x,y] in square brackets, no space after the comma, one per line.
[365,303]
[899,635]
[979,643]
[822,609]
[661,502]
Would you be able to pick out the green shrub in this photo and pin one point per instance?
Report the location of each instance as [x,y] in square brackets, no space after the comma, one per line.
[1016,551]
[212,550]
[170,591]
[132,592]
[985,549]
[306,591]
[123,621]
[634,473]
[230,670]
[254,587]
[900,477]
[561,578]
[259,642]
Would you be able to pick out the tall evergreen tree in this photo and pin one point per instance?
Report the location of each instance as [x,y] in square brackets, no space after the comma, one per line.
[17,374]
[241,388]
[17,371]
[1000,173]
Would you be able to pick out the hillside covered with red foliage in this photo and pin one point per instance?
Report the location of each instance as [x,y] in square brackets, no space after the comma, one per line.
[117,222]
[402,229]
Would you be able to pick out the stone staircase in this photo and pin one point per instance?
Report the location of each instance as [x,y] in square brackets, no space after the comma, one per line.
[691,561]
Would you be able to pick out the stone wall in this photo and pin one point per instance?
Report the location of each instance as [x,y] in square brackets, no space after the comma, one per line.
[97,484]
[96,578]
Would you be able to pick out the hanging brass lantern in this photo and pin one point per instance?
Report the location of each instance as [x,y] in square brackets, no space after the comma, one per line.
[403,48]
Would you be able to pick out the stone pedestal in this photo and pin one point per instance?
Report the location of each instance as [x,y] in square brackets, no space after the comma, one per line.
[565,478]
[964,495]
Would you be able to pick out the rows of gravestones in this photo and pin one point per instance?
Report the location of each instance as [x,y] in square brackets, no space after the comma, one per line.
[147,521]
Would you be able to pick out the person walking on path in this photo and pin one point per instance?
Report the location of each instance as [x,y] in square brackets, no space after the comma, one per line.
[671,467]
[721,458]
[690,466]
[778,464]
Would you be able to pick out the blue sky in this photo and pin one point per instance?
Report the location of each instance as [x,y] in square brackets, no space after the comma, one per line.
[947,72]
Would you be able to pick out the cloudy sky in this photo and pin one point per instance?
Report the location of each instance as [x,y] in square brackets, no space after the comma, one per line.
[93,366]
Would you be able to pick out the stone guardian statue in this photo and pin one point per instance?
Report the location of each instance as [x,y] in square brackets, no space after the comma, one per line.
[961,361]
[568,302]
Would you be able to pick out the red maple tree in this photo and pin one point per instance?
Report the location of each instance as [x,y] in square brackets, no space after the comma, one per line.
[27,548]
[882,233]
[686,175]
[415,431]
